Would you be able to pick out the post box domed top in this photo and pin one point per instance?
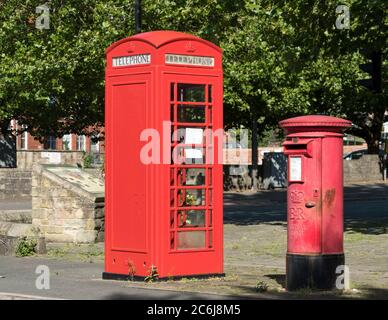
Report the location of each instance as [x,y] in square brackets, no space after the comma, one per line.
[160,38]
[315,123]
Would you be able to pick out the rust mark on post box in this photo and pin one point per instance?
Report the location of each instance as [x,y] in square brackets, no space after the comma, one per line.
[329,197]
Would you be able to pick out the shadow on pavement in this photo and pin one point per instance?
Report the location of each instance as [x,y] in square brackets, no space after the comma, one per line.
[255,208]
[366,191]
[365,208]
[375,293]
[174,296]
[367,293]
[276,196]
[375,227]
[122,296]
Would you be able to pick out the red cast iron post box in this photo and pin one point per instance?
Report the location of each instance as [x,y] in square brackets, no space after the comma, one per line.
[314,149]
[164,201]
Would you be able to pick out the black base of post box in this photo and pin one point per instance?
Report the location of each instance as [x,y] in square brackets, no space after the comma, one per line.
[312,272]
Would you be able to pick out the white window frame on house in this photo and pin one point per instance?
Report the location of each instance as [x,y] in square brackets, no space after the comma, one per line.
[95,145]
[24,138]
[24,141]
[79,141]
[14,125]
[68,139]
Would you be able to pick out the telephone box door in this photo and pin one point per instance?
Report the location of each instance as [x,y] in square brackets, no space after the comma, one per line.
[196,167]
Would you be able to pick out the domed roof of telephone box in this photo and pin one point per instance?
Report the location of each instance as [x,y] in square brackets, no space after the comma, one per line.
[159,38]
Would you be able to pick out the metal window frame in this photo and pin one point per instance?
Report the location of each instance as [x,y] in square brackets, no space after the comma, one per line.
[175,187]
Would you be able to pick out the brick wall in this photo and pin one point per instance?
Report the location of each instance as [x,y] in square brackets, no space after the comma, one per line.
[244,156]
[34,144]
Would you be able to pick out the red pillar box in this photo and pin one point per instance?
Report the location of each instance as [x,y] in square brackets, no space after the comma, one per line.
[164,185]
[313,147]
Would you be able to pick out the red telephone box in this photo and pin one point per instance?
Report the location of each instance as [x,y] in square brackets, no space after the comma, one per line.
[164,213]
[314,200]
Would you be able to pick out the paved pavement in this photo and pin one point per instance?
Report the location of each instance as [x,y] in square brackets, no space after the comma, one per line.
[75,280]
[255,238]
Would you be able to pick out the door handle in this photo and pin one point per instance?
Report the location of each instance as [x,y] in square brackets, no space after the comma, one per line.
[310,204]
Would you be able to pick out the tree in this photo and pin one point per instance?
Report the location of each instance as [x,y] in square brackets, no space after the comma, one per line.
[53,80]
[281,59]
[332,57]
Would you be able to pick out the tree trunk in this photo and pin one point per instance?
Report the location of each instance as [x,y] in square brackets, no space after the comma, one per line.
[371,133]
[4,126]
[375,132]
[373,144]
[255,145]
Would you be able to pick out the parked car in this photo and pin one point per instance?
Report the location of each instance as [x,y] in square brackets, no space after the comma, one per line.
[355,154]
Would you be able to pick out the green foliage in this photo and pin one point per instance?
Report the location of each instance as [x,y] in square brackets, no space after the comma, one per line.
[190,199]
[261,286]
[26,247]
[153,275]
[53,80]
[281,59]
[312,67]
[88,160]
[272,137]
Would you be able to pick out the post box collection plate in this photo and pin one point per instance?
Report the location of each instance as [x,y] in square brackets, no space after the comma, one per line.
[295,168]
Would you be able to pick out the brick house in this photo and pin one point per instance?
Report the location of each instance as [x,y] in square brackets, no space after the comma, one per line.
[69,142]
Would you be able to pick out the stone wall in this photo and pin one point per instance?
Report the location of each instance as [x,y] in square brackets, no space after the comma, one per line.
[365,169]
[26,159]
[14,183]
[64,212]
